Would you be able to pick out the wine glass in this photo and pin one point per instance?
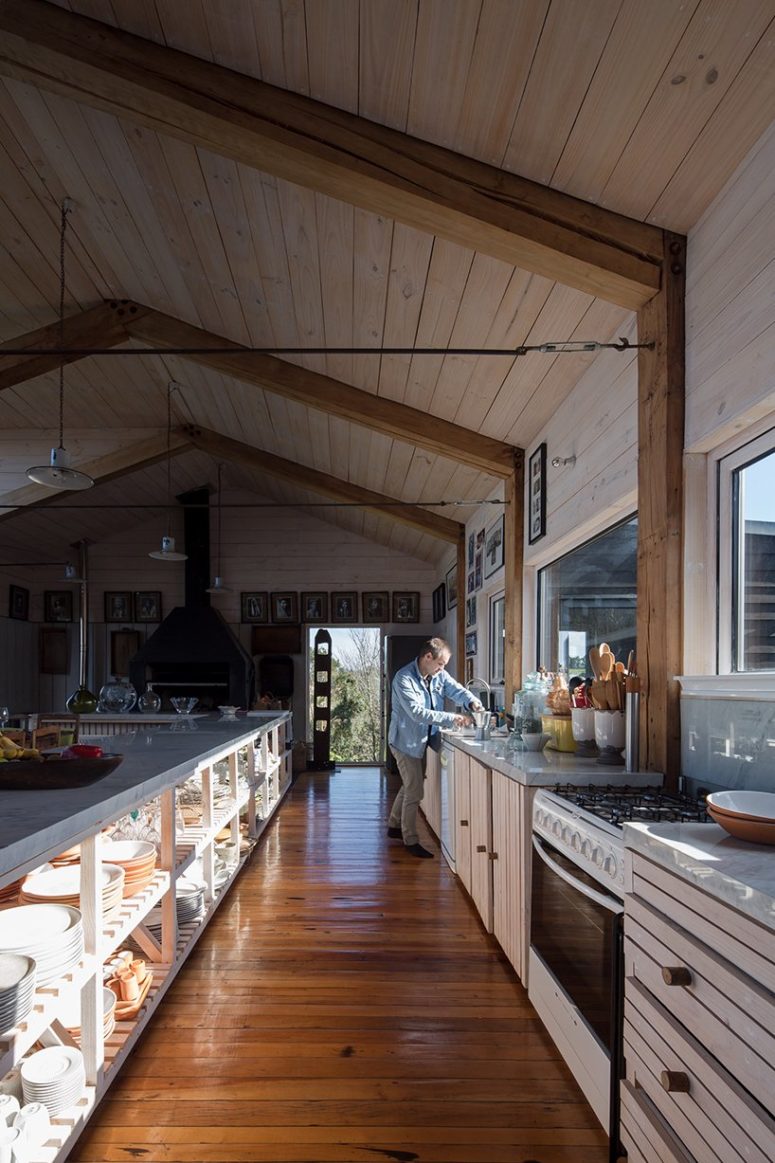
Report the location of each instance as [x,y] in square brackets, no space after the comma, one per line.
[5,715]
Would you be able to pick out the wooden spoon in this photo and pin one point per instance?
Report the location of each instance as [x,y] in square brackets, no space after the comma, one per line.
[594,661]
[606,664]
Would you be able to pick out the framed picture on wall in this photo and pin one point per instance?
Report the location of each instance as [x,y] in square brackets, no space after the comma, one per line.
[439,602]
[471,642]
[344,606]
[406,606]
[314,607]
[470,669]
[493,547]
[148,606]
[375,606]
[285,608]
[18,603]
[452,588]
[57,605]
[471,611]
[536,494]
[118,606]
[254,607]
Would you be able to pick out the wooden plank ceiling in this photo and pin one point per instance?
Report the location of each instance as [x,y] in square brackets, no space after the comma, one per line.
[643,109]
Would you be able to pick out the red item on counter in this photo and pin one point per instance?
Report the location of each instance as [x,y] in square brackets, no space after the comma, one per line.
[82,751]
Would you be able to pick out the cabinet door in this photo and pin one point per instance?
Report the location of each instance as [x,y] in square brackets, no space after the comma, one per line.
[481,842]
[462,819]
[431,800]
[508,869]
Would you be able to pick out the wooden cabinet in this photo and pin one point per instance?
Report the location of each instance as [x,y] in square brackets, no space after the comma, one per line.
[481,840]
[463,817]
[431,800]
[512,806]
[699,1028]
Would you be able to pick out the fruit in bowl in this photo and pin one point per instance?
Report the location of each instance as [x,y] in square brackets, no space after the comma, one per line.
[82,751]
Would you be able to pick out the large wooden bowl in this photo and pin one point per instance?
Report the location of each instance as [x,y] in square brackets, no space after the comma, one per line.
[50,774]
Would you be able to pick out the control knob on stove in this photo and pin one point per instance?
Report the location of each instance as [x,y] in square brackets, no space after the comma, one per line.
[610,866]
[566,835]
[575,842]
[586,849]
[556,828]
[597,856]
[540,817]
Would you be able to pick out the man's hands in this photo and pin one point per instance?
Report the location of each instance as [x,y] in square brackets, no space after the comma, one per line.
[475,705]
[463,721]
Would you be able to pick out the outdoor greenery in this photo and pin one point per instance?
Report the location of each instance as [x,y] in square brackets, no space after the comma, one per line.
[356,676]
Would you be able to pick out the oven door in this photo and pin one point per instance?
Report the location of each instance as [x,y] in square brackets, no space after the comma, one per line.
[575,970]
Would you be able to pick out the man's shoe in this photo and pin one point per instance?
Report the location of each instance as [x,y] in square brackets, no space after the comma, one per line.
[418,850]
[395,833]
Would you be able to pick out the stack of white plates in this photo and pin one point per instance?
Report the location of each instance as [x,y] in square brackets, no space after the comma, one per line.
[51,934]
[138,860]
[63,886]
[17,987]
[69,1013]
[189,905]
[54,1076]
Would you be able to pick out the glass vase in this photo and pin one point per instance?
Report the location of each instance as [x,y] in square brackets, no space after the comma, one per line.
[82,702]
[149,702]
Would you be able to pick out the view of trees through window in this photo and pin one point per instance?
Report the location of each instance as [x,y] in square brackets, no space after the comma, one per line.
[356,693]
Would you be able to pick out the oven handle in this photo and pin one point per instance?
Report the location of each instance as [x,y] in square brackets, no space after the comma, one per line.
[612,904]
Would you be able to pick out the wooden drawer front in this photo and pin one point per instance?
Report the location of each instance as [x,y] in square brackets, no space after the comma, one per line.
[740,939]
[507,878]
[715,1118]
[724,1010]
[643,1133]
[481,842]
[462,820]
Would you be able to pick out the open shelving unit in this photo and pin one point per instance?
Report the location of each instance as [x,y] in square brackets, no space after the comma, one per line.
[243,782]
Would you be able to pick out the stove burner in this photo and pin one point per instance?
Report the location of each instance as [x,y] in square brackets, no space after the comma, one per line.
[618,805]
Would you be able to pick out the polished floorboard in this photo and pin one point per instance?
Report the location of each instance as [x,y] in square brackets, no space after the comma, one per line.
[344,1005]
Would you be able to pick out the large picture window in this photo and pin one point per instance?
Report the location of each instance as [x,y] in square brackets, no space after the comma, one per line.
[587,597]
[747,558]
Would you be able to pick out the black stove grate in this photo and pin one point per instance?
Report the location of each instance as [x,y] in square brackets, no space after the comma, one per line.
[620,805]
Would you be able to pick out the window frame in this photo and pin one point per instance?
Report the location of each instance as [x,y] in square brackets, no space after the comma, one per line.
[496,680]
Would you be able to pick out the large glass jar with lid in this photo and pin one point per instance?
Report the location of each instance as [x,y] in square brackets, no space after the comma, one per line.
[530,703]
[117,697]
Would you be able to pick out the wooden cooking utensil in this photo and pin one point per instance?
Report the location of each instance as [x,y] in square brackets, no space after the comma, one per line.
[594,661]
[606,664]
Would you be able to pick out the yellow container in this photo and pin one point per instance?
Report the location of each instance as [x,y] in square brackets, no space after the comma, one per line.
[560,732]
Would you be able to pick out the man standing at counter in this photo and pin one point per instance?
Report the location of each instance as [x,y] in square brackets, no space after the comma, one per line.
[418,694]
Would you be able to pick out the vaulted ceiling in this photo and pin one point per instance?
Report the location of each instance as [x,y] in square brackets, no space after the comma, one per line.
[272,222]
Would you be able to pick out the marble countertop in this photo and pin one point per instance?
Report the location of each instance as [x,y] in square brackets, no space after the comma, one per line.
[733,871]
[35,825]
[547,767]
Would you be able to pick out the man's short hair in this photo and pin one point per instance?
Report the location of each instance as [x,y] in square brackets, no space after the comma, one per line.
[435,647]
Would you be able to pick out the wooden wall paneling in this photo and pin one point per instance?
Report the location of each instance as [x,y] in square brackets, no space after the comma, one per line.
[444,42]
[262,201]
[281,45]
[513,560]
[371,251]
[387,45]
[299,223]
[18,661]
[337,261]
[660,515]
[332,52]
[410,258]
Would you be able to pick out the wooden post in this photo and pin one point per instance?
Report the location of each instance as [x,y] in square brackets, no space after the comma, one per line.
[514,554]
[460,609]
[660,514]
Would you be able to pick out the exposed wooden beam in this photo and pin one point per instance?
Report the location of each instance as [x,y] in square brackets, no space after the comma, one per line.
[514,554]
[100,326]
[334,152]
[225,448]
[109,467]
[327,395]
[661,401]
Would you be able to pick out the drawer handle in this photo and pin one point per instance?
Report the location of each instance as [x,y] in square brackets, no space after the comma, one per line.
[676,975]
[675,1081]
[464,823]
[481,847]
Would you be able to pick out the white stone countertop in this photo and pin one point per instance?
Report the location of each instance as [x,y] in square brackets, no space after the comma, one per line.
[733,871]
[547,767]
[35,825]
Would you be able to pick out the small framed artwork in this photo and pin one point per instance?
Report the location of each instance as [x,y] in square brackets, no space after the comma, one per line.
[471,643]
[285,608]
[439,602]
[471,582]
[452,588]
[53,651]
[478,569]
[480,539]
[344,606]
[471,611]
[18,603]
[469,669]
[493,547]
[314,607]
[254,607]
[406,606]
[57,606]
[148,606]
[118,606]
[375,606]
[471,543]
[536,495]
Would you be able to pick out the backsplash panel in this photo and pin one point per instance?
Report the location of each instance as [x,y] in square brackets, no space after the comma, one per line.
[728,742]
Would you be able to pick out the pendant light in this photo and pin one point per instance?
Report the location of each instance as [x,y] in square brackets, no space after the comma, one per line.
[218,587]
[168,551]
[58,474]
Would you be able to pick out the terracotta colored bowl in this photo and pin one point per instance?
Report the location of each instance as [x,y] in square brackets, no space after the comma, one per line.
[755,831]
[744,805]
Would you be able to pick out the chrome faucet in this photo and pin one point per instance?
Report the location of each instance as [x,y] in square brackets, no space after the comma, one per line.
[481,685]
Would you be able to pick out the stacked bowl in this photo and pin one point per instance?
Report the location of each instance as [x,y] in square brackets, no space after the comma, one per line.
[748,815]
[63,887]
[17,988]
[54,1076]
[70,1013]
[138,860]
[51,934]
[189,906]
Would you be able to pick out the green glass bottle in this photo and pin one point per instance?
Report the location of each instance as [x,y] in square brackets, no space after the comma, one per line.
[82,702]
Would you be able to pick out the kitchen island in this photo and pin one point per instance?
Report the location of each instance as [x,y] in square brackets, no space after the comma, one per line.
[235,771]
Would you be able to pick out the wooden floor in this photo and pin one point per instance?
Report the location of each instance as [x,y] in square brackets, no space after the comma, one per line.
[344,1004]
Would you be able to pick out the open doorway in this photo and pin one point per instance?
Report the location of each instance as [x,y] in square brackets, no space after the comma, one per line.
[356,692]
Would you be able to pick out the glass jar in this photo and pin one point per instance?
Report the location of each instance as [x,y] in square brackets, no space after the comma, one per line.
[82,702]
[149,702]
[117,697]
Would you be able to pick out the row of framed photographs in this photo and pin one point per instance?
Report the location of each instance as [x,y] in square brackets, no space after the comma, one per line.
[318,607]
[59,605]
[485,556]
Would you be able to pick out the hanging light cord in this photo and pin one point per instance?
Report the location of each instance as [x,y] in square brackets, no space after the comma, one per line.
[65,210]
[171,387]
[218,516]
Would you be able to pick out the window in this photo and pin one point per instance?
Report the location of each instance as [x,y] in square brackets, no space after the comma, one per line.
[587,597]
[747,557]
[497,639]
